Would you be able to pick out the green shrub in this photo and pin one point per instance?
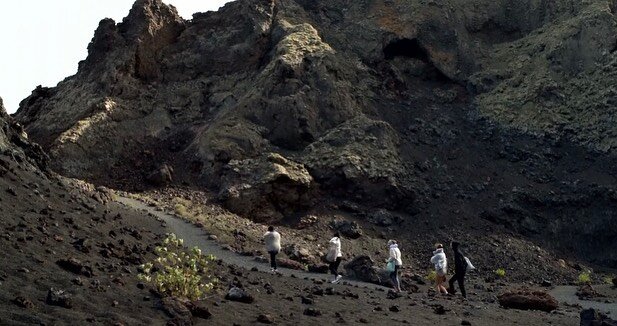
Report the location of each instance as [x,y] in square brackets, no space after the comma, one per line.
[501,273]
[179,272]
[432,276]
[584,278]
[608,279]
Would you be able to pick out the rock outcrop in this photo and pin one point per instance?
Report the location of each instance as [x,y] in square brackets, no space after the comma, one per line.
[266,188]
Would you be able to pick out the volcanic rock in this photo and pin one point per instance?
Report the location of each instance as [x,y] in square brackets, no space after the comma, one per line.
[312,312]
[347,228]
[362,268]
[591,317]
[266,188]
[75,266]
[528,300]
[239,295]
[162,176]
[59,298]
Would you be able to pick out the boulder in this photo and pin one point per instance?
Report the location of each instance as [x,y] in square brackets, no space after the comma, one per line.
[176,309]
[360,157]
[591,317]
[75,266]
[528,300]
[295,252]
[199,310]
[363,269]
[383,217]
[267,188]
[59,298]
[162,176]
[312,312]
[347,228]
[239,295]
[291,264]
[586,292]
[265,319]
[318,268]
[23,302]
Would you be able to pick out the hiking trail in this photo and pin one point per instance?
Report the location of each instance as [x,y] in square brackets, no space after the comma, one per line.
[195,236]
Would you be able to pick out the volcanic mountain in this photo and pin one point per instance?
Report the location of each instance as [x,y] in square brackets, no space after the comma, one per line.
[465,117]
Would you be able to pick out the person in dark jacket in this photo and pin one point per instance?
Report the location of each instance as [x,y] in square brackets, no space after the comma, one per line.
[460,267]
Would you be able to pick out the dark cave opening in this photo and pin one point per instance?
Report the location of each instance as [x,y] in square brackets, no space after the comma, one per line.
[409,48]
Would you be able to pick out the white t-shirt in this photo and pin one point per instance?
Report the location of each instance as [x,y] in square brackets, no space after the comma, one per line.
[273,241]
[335,243]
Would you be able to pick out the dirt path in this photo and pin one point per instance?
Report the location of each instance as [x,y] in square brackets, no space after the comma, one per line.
[567,294]
[196,237]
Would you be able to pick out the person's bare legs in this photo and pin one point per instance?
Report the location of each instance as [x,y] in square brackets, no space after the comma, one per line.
[440,287]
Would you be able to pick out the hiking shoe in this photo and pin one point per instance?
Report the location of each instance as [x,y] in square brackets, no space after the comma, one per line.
[337,278]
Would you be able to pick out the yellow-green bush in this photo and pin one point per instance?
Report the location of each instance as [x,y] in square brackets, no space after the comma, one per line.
[179,272]
[608,279]
[181,210]
[432,276]
[584,278]
[500,272]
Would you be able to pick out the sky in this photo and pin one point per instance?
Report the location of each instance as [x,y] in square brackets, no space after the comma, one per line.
[42,41]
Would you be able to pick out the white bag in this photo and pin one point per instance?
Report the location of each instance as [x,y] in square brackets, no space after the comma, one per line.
[470,266]
[331,256]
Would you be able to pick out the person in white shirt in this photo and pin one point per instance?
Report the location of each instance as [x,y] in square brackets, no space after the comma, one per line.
[395,257]
[441,268]
[272,240]
[335,256]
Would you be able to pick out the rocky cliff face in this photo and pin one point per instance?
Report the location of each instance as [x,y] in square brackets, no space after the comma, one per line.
[441,110]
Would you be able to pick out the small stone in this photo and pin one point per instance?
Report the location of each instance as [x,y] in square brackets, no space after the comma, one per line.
[312,312]
[306,300]
[199,310]
[115,303]
[239,295]
[265,319]
[59,298]
[395,309]
[23,302]
[440,310]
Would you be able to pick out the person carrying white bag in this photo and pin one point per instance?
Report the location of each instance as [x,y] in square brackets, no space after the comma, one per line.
[394,264]
[461,265]
[335,256]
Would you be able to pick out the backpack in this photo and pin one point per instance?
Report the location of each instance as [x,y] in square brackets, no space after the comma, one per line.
[470,266]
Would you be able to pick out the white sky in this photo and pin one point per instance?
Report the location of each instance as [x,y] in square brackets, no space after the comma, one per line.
[41,41]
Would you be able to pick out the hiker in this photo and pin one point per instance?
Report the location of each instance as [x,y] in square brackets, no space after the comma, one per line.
[273,246]
[394,259]
[460,267]
[441,268]
[334,256]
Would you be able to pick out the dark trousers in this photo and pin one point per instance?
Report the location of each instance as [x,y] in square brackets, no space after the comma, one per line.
[460,279]
[394,278]
[334,266]
[273,258]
